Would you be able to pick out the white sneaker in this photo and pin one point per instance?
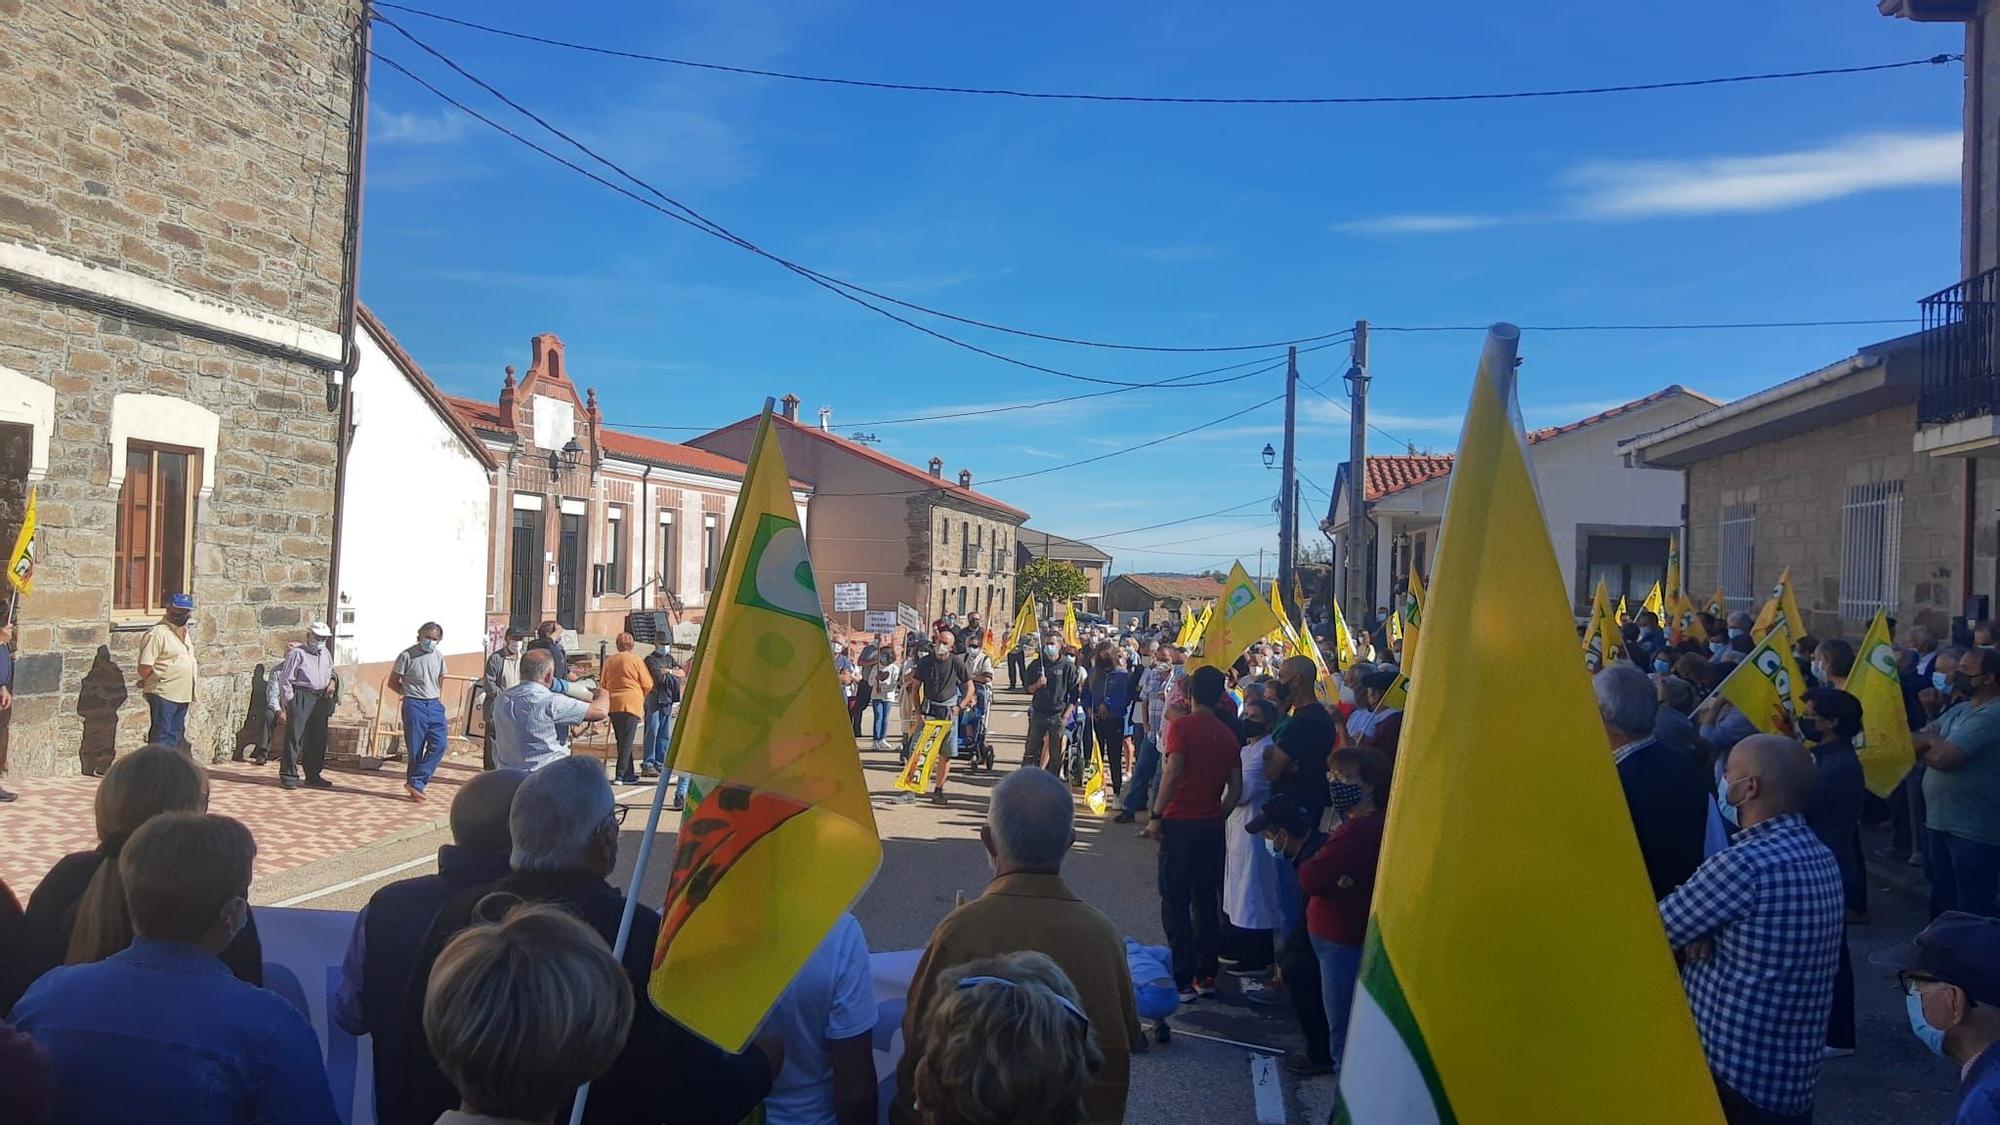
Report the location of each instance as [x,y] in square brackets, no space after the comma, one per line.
[881,744]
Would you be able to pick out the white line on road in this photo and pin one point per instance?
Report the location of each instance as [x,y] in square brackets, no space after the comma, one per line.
[1270,1096]
[1179,1030]
[357,881]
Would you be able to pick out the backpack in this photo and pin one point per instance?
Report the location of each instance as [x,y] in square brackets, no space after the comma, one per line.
[1117,693]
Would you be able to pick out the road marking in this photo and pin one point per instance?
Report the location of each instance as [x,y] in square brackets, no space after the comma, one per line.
[1270,1096]
[1179,1030]
[357,881]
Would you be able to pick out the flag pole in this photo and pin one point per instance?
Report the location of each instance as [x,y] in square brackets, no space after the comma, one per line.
[639,861]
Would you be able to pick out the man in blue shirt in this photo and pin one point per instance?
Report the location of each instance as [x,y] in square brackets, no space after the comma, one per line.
[162,1030]
[1758,927]
[1951,983]
[1960,753]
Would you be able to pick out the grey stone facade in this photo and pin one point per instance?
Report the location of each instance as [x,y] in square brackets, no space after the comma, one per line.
[192,161]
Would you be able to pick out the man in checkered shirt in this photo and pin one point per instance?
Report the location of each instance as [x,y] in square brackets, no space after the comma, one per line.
[1758,927]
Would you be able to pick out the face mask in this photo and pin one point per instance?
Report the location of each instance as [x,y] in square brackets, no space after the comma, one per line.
[1812,730]
[1929,1036]
[1729,812]
[1271,846]
[177,616]
[1961,684]
[1280,691]
[513,648]
[1940,681]
[1255,731]
[1717,647]
[1735,633]
[313,647]
[1050,652]
[428,644]
[1821,672]
[1662,667]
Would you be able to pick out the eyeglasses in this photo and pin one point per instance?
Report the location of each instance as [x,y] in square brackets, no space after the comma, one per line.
[619,813]
[1082,1021]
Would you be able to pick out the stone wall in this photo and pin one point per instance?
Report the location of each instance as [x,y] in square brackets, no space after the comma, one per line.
[939,526]
[1800,484]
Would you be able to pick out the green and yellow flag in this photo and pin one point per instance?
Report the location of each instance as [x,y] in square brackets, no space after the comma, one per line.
[1686,622]
[784,841]
[1241,618]
[1766,682]
[1655,602]
[1623,614]
[21,564]
[1780,611]
[1673,567]
[1718,605]
[1593,642]
[1412,615]
[1884,750]
[1344,654]
[1200,625]
[1456,1017]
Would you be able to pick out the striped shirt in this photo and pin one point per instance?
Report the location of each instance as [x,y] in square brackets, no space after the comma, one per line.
[1771,902]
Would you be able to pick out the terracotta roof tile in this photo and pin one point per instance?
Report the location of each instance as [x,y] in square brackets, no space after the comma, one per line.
[480,415]
[1182,586]
[913,473]
[1400,471]
[636,448]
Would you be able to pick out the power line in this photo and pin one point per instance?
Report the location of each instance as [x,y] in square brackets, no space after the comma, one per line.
[1647,327]
[838,285]
[1342,407]
[1151,99]
[1168,383]
[1172,523]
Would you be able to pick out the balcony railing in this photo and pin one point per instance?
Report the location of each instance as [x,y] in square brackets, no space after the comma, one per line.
[1958,351]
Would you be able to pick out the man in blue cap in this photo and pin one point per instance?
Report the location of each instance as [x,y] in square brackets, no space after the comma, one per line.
[167,672]
[1950,975]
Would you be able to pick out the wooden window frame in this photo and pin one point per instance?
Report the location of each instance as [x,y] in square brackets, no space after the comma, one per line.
[154,600]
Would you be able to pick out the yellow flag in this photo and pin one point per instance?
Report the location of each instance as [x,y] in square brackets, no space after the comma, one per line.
[1324,684]
[1070,635]
[1413,616]
[21,564]
[1240,620]
[1455,1018]
[1600,601]
[1200,625]
[1096,786]
[1718,605]
[785,840]
[1612,635]
[1780,610]
[1624,614]
[1766,682]
[1024,624]
[1395,630]
[1673,567]
[1343,640]
[1593,642]
[1655,602]
[1187,625]
[1686,622]
[1884,751]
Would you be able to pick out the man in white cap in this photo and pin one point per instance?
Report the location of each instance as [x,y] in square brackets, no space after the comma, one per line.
[295,696]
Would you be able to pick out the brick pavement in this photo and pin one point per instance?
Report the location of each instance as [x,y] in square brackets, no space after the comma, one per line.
[53,816]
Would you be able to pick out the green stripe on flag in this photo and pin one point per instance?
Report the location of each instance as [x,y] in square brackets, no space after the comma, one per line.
[1378,977]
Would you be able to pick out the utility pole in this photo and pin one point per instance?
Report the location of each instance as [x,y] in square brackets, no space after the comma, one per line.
[1354,541]
[1288,503]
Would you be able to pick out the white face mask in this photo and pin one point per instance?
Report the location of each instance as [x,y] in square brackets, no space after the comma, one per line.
[313,645]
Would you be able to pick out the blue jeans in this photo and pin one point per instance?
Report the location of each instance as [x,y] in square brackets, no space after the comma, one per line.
[1964,874]
[169,721]
[423,739]
[1145,771]
[881,709]
[659,733]
[1338,966]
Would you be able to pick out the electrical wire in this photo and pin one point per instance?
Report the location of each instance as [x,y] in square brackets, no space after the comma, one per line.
[1647,327]
[1172,523]
[1342,407]
[1152,99]
[839,285]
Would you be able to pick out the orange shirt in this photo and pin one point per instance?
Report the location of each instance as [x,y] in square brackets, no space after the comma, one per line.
[627,681]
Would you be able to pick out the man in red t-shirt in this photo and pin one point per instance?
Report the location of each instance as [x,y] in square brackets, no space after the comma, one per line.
[1200,781]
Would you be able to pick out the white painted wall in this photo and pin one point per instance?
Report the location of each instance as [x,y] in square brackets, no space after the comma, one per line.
[417,504]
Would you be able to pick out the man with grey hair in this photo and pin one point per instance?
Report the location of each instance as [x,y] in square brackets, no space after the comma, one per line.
[1759,929]
[528,717]
[1664,790]
[1030,826]
[564,827]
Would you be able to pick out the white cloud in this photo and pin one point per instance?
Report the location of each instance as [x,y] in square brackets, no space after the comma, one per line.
[1630,189]
[444,127]
[1033,452]
[1418,224]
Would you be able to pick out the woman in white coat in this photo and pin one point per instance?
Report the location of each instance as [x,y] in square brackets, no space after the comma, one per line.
[1249,873]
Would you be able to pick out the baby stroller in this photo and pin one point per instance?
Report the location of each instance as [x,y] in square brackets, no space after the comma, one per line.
[1076,748]
[972,742]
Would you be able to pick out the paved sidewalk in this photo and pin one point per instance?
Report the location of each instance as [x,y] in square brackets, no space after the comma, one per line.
[54,817]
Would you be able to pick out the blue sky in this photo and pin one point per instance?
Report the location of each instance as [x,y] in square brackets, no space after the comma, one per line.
[1817,199]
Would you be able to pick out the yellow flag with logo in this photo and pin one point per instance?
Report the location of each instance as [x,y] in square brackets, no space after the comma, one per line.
[1673,567]
[1070,635]
[1687,623]
[1024,624]
[1238,620]
[1455,1016]
[1200,625]
[1623,614]
[1780,611]
[21,564]
[1593,642]
[1718,605]
[1766,682]
[1655,602]
[1344,654]
[1885,750]
[784,841]
[1413,615]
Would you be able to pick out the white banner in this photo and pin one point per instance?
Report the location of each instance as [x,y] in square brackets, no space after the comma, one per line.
[850,597]
[909,618]
[879,621]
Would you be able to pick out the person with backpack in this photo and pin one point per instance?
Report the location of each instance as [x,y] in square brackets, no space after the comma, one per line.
[1110,699]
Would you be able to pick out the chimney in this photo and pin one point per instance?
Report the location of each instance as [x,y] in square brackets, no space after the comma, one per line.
[826,418]
[965,478]
[937,467]
[789,407]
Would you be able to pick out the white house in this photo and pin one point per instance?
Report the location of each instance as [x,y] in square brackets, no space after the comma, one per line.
[415,510]
[1606,519]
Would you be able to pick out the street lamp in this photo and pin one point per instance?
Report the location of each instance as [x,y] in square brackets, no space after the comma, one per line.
[1270,455]
[1356,380]
[570,454]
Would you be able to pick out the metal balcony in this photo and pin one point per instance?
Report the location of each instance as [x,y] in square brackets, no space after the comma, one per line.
[1958,352]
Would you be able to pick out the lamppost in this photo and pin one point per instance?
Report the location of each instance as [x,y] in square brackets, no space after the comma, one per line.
[566,458]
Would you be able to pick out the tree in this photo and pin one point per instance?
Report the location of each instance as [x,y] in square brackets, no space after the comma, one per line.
[1050,581]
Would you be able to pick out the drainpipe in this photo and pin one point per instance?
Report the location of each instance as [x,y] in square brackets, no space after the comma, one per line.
[1967,525]
[350,292]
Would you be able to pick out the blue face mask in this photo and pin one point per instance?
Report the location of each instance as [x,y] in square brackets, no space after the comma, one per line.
[1941,682]
[428,644]
[1717,647]
[1729,812]
[1662,667]
[1271,846]
[1926,1034]
[1735,633]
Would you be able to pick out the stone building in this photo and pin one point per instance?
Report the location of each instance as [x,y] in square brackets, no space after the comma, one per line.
[1032,544]
[177,205]
[589,523]
[1817,474]
[914,536]
[1161,597]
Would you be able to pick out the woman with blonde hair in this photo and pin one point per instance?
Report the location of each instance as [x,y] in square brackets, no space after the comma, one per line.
[1008,1042]
[520,1012]
[77,914]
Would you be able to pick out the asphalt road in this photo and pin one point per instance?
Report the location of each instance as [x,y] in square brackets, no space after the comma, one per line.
[932,855]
